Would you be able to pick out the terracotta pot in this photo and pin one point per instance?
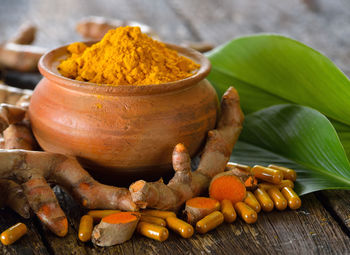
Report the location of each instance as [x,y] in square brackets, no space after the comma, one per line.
[122,132]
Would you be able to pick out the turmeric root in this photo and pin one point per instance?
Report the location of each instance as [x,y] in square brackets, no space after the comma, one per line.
[12,192]
[33,168]
[10,114]
[17,54]
[199,207]
[11,95]
[115,229]
[19,135]
[186,184]
[20,57]
[227,185]
[25,34]
[95,28]
[13,196]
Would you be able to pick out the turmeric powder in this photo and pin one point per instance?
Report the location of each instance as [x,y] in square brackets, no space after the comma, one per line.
[125,56]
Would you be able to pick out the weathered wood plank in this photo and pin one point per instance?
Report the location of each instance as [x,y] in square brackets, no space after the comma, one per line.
[29,244]
[325,28]
[338,203]
[56,20]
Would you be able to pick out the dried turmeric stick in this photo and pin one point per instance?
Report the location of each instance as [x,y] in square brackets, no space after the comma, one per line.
[11,95]
[17,54]
[25,34]
[19,136]
[20,57]
[227,185]
[199,207]
[115,229]
[10,114]
[186,184]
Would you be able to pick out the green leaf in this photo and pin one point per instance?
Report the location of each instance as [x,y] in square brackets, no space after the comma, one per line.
[272,69]
[297,137]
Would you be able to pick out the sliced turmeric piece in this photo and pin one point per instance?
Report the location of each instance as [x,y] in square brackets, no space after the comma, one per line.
[199,207]
[227,185]
[115,229]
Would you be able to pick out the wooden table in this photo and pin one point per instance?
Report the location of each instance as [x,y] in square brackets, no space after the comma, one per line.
[320,226]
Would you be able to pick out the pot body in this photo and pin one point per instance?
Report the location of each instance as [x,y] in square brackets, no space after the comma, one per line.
[122,137]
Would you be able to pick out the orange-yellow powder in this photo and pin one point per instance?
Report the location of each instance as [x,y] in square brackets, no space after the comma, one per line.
[125,56]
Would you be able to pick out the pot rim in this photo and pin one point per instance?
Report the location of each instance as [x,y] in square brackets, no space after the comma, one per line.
[48,68]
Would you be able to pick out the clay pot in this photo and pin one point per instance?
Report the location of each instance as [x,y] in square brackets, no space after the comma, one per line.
[122,132]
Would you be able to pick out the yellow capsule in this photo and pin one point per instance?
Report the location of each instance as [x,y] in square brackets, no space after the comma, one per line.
[286,183]
[240,166]
[289,174]
[277,198]
[209,222]
[264,200]
[253,203]
[97,215]
[246,213]
[158,213]
[267,174]
[179,226]
[12,234]
[152,231]
[153,220]
[266,185]
[294,201]
[85,228]
[228,211]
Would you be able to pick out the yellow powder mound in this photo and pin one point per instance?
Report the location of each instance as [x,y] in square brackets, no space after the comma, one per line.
[125,56]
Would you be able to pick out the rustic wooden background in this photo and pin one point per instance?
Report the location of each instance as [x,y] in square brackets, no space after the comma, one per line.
[321,226]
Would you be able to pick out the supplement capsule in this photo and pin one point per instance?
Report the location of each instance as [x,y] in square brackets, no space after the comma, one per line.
[267,174]
[286,183]
[209,222]
[289,174]
[85,228]
[12,234]
[246,213]
[158,213]
[277,198]
[152,231]
[153,220]
[253,203]
[240,166]
[228,211]
[97,215]
[179,226]
[264,200]
[266,185]
[294,201]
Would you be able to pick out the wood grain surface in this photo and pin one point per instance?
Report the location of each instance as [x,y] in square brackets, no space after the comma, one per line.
[321,226]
